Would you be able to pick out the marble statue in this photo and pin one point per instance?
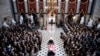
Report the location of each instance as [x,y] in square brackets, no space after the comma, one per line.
[90,23]
[31,18]
[13,22]
[21,19]
[82,20]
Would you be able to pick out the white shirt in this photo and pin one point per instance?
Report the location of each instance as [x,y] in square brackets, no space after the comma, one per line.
[5,24]
[21,19]
[82,20]
[31,18]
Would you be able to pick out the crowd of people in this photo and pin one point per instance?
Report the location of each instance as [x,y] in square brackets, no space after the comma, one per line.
[81,41]
[18,40]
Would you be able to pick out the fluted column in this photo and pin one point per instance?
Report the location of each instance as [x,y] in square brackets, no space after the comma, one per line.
[78,6]
[15,9]
[26,6]
[66,6]
[44,10]
[66,9]
[59,5]
[15,6]
[37,7]
[45,19]
[90,5]
[59,16]
[88,12]
[44,5]
[77,10]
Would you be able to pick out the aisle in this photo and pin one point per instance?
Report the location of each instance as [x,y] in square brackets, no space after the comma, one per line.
[55,34]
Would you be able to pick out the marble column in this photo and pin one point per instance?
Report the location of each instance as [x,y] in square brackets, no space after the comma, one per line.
[44,10]
[15,6]
[66,9]
[66,6]
[77,10]
[37,8]
[44,5]
[78,6]
[45,19]
[88,12]
[26,6]
[15,9]
[59,12]
[89,6]
[59,5]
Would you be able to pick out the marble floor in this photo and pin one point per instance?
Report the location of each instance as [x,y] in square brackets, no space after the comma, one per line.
[54,33]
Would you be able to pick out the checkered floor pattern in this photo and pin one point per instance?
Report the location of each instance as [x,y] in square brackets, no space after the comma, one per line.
[54,33]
